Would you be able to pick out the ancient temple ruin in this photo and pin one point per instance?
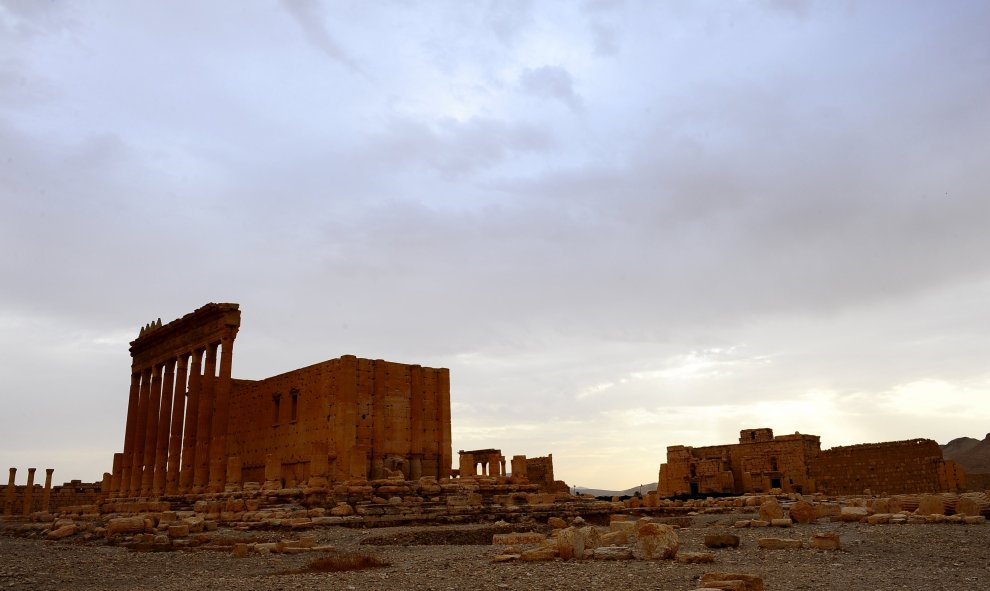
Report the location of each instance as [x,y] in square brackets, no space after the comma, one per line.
[761,462]
[193,428]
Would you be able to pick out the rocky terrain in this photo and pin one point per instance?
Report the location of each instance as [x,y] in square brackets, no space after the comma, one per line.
[972,454]
[884,545]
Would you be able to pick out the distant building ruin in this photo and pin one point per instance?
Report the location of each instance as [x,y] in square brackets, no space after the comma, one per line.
[761,462]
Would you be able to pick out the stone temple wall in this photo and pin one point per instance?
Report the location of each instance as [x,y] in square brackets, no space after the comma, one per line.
[366,418]
[896,467]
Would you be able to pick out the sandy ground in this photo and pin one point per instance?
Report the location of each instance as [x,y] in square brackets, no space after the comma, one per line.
[874,558]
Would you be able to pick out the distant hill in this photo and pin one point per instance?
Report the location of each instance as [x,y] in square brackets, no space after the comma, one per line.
[972,454]
[597,492]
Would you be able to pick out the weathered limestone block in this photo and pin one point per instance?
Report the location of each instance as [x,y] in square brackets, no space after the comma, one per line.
[556,523]
[931,505]
[62,532]
[803,512]
[826,541]
[878,519]
[342,510]
[721,541]
[178,531]
[655,541]
[974,519]
[759,523]
[853,514]
[518,539]
[770,510]
[742,523]
[592,537]
[695,557]
[628,527]
[750,582]
[548,551]
[125,525]
[570,543]
[614,538]
[613,552]
[240,550]
[972,504]
[782,522]
[779,543]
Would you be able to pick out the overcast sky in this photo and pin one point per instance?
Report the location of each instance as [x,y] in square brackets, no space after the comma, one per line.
[621,225]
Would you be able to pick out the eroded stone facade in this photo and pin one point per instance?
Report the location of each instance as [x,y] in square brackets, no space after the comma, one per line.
[192,428]
[761,462]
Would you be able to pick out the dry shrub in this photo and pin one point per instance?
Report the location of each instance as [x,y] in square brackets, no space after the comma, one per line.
[333,563]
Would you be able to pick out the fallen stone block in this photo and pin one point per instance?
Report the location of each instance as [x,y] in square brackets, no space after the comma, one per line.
[721,541]
[655,541]
[782,522]
[613,553]
[544,552]
[803,512]
[853,514]
[178,531]
[556,523]
[878,519]
[125,525]
[750,582]
[770,510]
[742,523]
[570,543]
[759,523]
[62,532]
[974,519]
[240,550]
[695,557]
[826,541]
[614,538]
[779,543]
[518,539]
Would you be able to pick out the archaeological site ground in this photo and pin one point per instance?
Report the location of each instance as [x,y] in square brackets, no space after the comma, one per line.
[341,475]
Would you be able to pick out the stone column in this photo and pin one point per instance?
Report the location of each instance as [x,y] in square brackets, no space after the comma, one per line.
[137,458]
[123,474]
[201,468]
[8,503]
[175,431]
[191,423]
[221,416]
[164,423]
[378,419]
[443,397]
[29,492]
[116,477]
[46,498]
[234,477]
[416,407]
[151,430]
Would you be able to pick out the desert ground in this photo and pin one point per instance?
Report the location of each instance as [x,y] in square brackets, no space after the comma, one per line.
[914,557]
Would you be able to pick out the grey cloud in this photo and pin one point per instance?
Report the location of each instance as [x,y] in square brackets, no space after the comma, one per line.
[307,15]
[552,82]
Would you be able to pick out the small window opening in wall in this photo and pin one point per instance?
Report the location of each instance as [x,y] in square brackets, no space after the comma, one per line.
[276,402]
[294,410]
[752,435]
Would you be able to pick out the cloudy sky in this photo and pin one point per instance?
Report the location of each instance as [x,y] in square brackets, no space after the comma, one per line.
[622,225]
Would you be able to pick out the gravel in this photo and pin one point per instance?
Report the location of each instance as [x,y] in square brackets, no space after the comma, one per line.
[875,558]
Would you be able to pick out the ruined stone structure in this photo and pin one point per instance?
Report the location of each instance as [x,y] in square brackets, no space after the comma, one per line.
[491,463]
[192,428]
[796,463]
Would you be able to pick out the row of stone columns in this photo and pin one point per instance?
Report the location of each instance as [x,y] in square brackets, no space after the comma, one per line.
[9,497]
[176,435]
